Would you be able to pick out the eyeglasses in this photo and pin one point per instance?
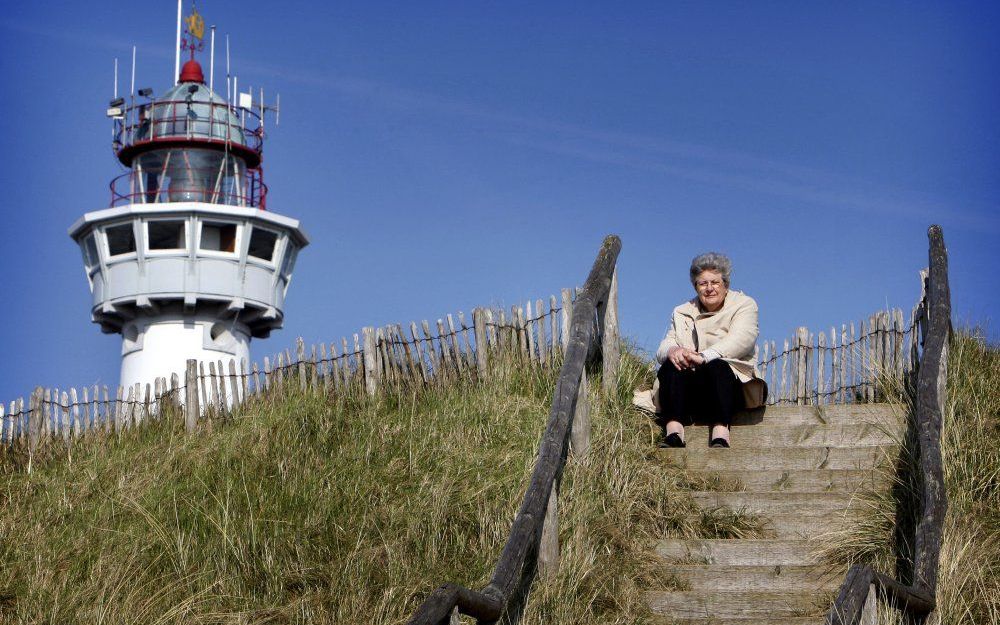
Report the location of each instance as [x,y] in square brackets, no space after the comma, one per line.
[704,284]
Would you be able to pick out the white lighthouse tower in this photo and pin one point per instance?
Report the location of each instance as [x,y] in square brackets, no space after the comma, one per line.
[186,262]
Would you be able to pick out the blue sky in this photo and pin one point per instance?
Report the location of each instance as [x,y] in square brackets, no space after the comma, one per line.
[444,155]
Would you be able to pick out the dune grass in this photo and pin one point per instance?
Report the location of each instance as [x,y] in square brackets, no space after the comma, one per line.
[969,579]
[303,508]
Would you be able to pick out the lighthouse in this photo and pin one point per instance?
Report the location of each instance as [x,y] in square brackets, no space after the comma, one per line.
[186,262]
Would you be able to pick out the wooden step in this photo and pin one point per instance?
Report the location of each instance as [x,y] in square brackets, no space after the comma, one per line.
[814,480]
[772,503]
[846,414]
[790,458]
[805,525]
[756,552]
[806,620]
[813,435]
[817,578]
[754,604]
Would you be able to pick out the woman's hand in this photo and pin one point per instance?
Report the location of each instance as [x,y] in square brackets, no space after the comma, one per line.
[683,358]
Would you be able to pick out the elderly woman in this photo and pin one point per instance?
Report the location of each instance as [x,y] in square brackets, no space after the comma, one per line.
[708,355]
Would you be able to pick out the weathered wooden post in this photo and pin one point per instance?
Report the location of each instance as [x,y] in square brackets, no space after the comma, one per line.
[611,340]
[479,323]
[370,359]
[579,441]
[802,358]
[35,420]
[567,316]
[300,356]
[548,547]
[191,407]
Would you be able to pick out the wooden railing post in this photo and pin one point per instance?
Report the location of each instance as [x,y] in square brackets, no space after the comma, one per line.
[548,548]
[191,407]
[370,356]
[611,340]
[579,442]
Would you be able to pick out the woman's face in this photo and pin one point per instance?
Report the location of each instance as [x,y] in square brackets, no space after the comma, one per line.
[711,290]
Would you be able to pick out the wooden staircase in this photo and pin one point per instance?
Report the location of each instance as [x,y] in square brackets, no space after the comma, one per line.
[796,466]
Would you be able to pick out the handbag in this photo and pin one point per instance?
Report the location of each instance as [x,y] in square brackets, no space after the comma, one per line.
[754,393]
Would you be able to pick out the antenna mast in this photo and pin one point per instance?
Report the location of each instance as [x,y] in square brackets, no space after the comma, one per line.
[177,47]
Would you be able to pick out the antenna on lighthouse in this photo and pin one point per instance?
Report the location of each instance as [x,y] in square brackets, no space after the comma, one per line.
[116,77]
[229,94]
[211,62]
[177,46]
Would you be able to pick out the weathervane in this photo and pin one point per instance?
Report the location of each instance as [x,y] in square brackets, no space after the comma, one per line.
[194,33]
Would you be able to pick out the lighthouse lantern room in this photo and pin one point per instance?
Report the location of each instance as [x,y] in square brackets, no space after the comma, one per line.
[186,262]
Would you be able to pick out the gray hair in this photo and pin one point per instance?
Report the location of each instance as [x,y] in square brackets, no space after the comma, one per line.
[711,261]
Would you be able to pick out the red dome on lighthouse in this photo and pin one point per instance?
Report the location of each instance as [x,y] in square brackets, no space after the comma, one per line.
[191,72]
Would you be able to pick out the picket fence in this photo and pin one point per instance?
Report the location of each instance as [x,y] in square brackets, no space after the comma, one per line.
[376,359]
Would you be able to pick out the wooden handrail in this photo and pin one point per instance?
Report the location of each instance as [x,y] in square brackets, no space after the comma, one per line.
[919,598]
[503,596]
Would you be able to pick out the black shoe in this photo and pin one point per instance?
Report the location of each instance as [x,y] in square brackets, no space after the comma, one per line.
[719,443]
[673,440]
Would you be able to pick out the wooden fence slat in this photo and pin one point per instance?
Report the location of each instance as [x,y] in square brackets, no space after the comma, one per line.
[432,353]
[64,417]
[820,367]
[46,407]
[479,322]
[326,363]
[214,383]
[191,407]
[543,345]
[384,361]
[784,372]
[418,352]
[453,337]
[522,332]
[447,359]
[118,409]
[553,326]
[234,385]
[74,401]
[36,423]
[371,371]
[567,315]
[223,395]
[203,385]
[529,330]
[128,408]
[802,352]
[470,356]
[314,370]
[855,354]
[300,361]
[844,360]
[863,360]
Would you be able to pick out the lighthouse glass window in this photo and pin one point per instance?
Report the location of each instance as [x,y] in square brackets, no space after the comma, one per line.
[166,235]
[262,243]
[218,237]
[121,239]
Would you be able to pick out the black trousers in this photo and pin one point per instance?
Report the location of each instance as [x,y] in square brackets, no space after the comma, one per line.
[710,393]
